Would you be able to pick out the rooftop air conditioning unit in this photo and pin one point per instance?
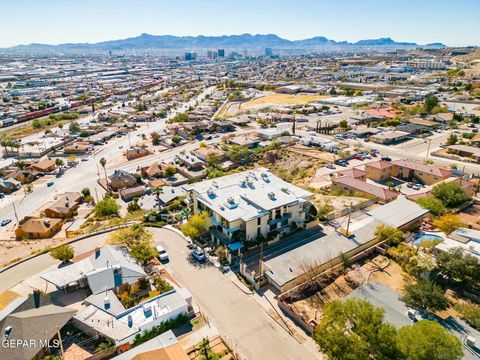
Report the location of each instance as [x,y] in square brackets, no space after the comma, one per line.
[271,195]
[106,302]
[147,308]
[470,341]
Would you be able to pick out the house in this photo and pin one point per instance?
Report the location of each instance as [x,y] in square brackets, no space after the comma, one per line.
[411,170]
[353,173]
[162,347]
[45,165]
[106,316]
[444,117]
[466,151]
[250,204]
[65,206]
[247,141]
[38,228]
[37,321]
[77,148]
[105,268]
[401,213]
[378,170]
[190,161]
[154,171]
[414,129]
[368,190]
[133,192]
[136,152]
[389,137]
[384,113]
[204,153]
[396,313]
[121,179]
[22,176]
[8,186]
[466,239]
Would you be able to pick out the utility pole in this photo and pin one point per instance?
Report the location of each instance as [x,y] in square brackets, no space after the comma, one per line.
[15,210]
[61,343]
[349,217]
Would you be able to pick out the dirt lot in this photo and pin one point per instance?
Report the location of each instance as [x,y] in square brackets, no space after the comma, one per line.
[378,269]
[312,152]
[471,216]
[282,99]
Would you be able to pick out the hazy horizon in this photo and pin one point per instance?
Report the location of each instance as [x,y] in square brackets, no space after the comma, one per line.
[454,23]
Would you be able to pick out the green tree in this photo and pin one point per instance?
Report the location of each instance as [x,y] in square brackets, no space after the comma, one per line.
[451,194]
[58,162]
[432,204]
[354,330]
[170,171]
[448,223]
[471,314]
[460,267]
[157,192]
[133,206]
[196,226]
[139,241]
[176,139]
[74,127]
[239,154]
[343,124]
[428,340]
[107,207]
[64,253]
[452,139]
[390,233]
[425,295]
[430,103]
[103,163]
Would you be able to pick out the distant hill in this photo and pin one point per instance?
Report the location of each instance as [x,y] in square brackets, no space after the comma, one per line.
[147,41]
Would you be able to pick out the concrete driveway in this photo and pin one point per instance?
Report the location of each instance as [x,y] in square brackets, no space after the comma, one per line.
[239,317]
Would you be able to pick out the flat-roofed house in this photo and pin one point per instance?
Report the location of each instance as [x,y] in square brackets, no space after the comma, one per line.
[38,228]
[389,137]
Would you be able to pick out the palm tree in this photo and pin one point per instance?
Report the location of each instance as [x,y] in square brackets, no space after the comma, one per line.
[59,162]
[103,162]
[157,192]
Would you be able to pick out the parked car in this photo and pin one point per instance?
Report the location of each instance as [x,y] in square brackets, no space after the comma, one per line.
[50,183]
[410,185]
[386,158]
[5,222]
[330,166]
[2,195]
[198,255]
[416,187]
[162,253]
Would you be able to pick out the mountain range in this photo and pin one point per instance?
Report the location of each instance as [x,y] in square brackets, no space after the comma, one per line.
[147,41]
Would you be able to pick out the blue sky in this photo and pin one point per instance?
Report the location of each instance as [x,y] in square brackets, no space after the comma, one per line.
[453,22]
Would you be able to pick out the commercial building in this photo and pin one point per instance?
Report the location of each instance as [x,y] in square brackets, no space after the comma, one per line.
[250,204]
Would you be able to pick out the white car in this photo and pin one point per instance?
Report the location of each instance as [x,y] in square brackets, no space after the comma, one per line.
[162,253]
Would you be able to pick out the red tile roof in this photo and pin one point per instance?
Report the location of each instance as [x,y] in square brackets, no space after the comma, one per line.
[354,172]
[387,112]
[379,164]
[365,187]
[418,166]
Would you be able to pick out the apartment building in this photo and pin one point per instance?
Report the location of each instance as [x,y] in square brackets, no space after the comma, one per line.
[250,204]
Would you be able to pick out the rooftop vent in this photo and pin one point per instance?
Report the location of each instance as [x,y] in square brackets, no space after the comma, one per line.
[106,302]
[46,222]
[271,195]
[285,189]
[215,184]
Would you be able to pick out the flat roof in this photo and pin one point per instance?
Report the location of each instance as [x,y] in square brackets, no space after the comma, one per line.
[398,212]
[248,194]
[290,265]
